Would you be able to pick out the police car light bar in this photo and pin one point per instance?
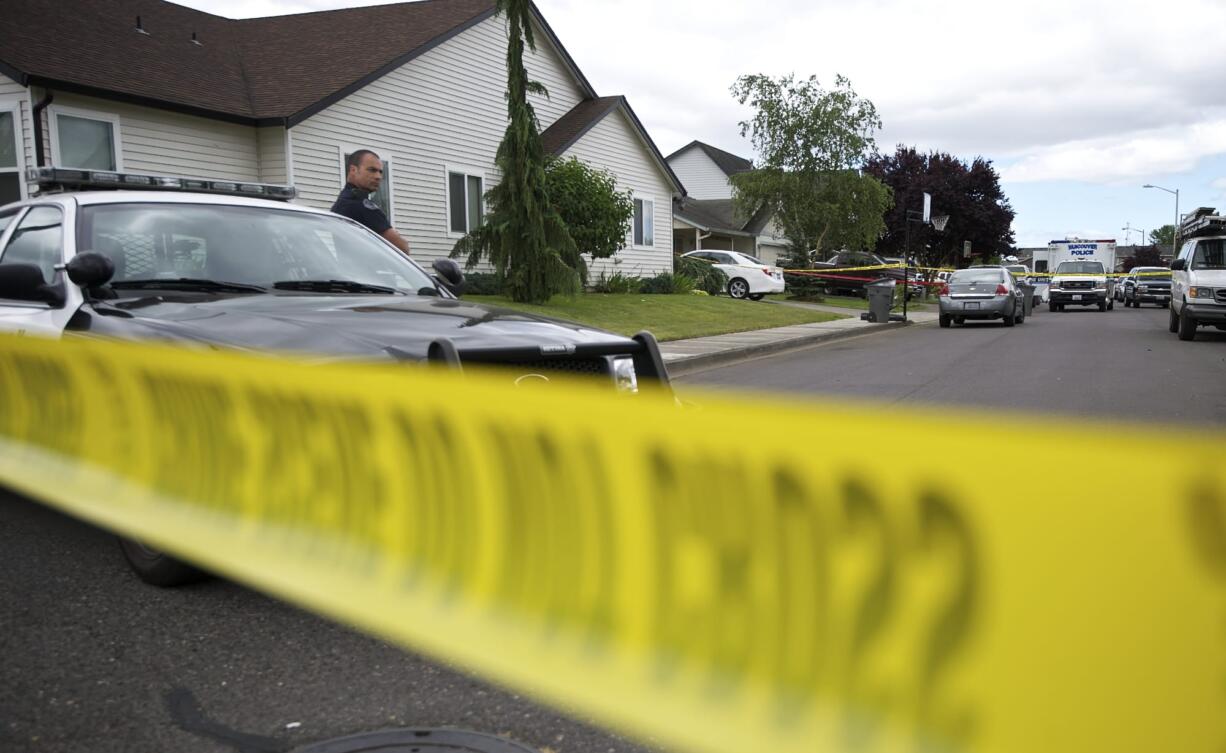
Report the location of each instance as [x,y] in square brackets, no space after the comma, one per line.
[59,178]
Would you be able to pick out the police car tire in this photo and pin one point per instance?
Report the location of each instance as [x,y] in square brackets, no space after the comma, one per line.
[157,568]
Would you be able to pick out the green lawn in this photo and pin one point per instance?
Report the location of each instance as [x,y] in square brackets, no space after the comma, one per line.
[668,317]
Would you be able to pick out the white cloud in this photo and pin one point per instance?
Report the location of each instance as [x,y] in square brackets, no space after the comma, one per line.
[1126,157]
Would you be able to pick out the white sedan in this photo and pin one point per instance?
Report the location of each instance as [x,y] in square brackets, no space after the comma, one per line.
[747,276]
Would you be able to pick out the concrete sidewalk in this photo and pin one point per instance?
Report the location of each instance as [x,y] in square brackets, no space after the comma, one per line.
[686,356]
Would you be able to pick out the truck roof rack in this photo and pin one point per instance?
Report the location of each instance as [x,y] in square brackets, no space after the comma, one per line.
[54,179]
[1203,221]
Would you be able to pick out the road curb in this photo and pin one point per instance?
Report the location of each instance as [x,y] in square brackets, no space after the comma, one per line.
[703,361]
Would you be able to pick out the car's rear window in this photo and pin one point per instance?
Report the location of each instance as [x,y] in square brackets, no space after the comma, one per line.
[976,275]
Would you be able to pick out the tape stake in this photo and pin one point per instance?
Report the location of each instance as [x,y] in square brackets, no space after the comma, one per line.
[616,556]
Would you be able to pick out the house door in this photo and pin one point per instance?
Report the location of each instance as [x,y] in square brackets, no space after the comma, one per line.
[12,158]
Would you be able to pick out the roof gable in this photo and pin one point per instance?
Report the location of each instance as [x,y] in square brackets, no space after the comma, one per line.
[571,127]
[728,163]
[279,69]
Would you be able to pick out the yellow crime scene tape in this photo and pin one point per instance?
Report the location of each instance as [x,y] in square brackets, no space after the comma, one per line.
[850,578]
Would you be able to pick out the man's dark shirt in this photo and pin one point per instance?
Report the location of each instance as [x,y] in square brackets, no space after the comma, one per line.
[355,204]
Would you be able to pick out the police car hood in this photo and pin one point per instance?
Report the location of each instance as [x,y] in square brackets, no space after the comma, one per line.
[358,326]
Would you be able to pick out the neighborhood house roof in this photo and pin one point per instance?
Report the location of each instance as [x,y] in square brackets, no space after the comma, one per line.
[584,116]
[729,163]
[720,215]
[266,71]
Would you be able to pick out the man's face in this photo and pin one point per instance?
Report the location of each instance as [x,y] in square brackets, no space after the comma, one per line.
[368,175]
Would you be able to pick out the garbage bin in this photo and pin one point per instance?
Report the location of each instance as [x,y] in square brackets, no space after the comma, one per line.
[1028,294]
[880,299]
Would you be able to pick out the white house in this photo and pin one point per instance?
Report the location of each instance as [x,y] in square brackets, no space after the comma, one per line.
[707,218]
[160,88]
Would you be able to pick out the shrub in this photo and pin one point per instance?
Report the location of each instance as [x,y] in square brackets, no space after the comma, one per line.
[805,286]
[706,276]
[666,282]
[616,283]
[483,283]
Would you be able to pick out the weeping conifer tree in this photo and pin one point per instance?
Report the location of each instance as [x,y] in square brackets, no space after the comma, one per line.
[523,236]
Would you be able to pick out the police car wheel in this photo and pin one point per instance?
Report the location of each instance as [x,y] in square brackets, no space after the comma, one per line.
[157,568]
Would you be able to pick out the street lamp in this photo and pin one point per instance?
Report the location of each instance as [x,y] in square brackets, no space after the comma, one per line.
[923,217]
[1175,237]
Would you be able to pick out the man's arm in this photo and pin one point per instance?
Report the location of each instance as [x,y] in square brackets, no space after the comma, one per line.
[396,239]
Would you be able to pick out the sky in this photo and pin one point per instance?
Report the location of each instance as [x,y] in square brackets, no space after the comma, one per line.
[1076,103]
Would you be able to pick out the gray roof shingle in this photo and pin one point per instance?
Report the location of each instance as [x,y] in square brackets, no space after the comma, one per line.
[275,69]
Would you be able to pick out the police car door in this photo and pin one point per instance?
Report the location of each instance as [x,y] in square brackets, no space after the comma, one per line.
[35,235]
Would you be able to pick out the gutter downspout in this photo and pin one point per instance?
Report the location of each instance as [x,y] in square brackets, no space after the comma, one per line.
[38,127]
[698,236]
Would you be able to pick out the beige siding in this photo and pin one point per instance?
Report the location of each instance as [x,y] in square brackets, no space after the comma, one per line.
[10,90]
[160,141]
[614,145]
[272,148]
[444,109]
[701,177]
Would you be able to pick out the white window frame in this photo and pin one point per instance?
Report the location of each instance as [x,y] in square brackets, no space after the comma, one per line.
[645,197]
[388,172]
[55,111]
[13,105]
[467,172]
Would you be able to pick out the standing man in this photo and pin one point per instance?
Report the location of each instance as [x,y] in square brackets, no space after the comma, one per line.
[363,175]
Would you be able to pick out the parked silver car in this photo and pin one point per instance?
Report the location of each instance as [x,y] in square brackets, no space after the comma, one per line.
[981,293]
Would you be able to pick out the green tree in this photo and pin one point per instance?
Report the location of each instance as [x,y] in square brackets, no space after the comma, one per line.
[596,214]
[1163,236]
[1144,256]
[969,193]
[812,142]
[523,235]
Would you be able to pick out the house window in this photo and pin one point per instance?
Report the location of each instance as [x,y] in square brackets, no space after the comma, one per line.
[464,203]
[382,197]
[644,222]
[86,141]
[10,168]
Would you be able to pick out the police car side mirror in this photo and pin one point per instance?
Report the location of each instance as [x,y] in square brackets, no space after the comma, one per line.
[24,282]
[449,274]
[1179,264]
[90,269]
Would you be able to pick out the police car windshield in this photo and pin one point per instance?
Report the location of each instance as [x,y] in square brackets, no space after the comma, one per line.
[239,244]
[1080,268]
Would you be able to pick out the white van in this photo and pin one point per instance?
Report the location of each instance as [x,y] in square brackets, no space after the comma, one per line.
[1198,286]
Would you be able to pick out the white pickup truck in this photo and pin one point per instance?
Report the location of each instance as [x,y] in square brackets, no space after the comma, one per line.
[1079,283]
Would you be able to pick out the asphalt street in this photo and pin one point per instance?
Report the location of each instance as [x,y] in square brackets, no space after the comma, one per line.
[91,659]
[1120,364]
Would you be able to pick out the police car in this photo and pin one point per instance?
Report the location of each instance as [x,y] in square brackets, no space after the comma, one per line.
[234,265]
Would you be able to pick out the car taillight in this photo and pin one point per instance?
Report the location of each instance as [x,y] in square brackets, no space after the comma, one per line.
[1002,290]
[944,289]
[766,271]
